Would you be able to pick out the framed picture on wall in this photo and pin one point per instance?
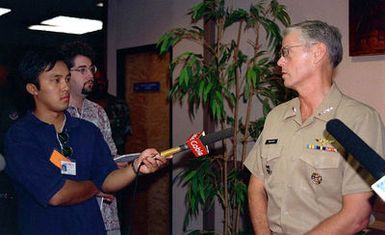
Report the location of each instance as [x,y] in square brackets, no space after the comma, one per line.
[366,27]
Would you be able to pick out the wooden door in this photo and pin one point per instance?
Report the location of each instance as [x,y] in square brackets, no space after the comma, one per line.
[144,82]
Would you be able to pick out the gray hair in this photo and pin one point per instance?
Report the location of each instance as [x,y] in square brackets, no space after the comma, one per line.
[318,31]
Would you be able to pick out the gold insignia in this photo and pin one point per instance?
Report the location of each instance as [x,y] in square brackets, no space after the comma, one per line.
[324,141]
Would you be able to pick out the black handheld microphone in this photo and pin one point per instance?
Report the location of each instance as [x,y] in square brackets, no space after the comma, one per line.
[207,139]
[360,150]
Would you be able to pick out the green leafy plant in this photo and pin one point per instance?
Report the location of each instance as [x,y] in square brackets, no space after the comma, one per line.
[223,81]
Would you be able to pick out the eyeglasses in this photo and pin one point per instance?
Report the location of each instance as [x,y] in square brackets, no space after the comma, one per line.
[83,70]
[285,50]
[63,140]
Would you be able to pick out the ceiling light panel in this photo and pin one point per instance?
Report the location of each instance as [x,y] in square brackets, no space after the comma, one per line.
[4,11]
[70,25]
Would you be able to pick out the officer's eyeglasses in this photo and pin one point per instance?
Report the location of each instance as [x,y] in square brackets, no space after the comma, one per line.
[63,139]
[285,50]
[83,69]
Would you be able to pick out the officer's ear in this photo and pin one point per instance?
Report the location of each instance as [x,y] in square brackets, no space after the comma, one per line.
[319,51]
[32,89]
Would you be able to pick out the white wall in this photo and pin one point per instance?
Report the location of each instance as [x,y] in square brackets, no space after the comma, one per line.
[134,23]
[141,22]
[362,78]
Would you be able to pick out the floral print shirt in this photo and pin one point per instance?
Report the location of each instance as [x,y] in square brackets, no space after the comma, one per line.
[94,113]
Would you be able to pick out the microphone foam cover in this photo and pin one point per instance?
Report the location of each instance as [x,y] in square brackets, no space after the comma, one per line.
[216,136]
[354,145]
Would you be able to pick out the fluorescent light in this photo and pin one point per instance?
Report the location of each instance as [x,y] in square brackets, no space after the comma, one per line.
[100,4]
[70,25]
[4,11]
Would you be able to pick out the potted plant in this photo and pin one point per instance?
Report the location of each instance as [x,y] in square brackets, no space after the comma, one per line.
[224,81]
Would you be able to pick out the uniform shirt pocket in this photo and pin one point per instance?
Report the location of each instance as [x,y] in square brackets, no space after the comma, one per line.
[322,171]
[270,156]
[318,159]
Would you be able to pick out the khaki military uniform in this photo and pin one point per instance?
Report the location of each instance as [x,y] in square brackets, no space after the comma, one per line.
[305,171]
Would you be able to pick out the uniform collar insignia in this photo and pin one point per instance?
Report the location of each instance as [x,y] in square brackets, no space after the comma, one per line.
[325,110]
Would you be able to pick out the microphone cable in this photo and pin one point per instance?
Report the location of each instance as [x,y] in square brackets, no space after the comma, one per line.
[133,197]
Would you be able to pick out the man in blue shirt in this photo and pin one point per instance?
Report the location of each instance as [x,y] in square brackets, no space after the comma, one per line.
[59,163]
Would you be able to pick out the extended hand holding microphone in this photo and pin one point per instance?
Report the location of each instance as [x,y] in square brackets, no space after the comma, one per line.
[196,143]
[361,151]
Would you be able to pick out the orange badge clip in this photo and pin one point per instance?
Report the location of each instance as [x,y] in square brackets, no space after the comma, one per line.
[56,158]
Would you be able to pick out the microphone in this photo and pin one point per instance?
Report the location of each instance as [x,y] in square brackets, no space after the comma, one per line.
[360,150]
[205,140]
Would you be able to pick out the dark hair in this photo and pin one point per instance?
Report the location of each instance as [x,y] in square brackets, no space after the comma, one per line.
[31,66]
[34,63]
[318,31]
[70,50]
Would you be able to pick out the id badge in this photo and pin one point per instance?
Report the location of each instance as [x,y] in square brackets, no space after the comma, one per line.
[68,168]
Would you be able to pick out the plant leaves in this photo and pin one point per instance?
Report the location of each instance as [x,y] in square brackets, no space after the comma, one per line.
[221,79]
